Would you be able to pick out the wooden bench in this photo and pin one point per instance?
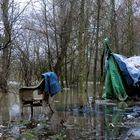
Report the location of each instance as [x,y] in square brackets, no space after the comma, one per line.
[33,96]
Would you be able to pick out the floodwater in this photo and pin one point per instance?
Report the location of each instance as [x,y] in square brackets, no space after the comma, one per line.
[75,117]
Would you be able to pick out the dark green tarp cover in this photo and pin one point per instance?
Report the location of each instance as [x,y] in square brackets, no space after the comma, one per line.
[114,83]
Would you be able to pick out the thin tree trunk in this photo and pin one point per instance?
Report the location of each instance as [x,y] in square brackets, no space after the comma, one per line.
[55,29]
[96,49]
[130,28]
[114,33]
[88,49]
[66,73]
[71,71]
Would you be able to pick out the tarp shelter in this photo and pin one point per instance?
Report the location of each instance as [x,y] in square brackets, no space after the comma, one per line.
[122,77]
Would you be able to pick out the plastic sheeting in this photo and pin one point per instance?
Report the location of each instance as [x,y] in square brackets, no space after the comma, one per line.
[130,68]
[114,84]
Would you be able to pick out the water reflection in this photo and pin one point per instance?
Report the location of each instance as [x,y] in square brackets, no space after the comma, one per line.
[100,121]
[4,105]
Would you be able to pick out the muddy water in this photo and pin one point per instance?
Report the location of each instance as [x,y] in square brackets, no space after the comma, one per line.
[75,118]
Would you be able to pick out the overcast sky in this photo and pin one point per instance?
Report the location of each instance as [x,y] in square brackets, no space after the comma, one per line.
[31,3]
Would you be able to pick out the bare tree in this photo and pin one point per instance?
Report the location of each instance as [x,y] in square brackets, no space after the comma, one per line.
[6,46]
[10,15]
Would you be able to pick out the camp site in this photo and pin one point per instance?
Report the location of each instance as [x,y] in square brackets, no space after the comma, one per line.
[69,70]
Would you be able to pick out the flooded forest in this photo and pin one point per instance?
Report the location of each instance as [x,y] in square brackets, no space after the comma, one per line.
[66,38]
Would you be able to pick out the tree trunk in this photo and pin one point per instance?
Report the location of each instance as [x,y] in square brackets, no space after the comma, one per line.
[81,48]
[55,29]
[47,36]
[114,33]
[130,28]
[4,71]
[66,28]
[96,49]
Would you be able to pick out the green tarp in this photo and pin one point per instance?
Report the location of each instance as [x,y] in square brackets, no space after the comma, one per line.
[114,83]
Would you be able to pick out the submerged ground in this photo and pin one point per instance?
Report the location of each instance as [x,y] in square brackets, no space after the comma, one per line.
[72,120]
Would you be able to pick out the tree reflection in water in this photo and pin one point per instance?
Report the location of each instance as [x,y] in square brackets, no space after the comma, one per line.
[100,120]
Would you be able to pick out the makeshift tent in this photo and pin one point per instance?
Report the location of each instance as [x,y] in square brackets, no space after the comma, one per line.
[122,77]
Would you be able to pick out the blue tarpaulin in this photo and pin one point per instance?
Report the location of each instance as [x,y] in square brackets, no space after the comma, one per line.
[130,68]
[52,85]
[122,77]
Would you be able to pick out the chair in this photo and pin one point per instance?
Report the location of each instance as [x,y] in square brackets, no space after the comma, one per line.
[33,96]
